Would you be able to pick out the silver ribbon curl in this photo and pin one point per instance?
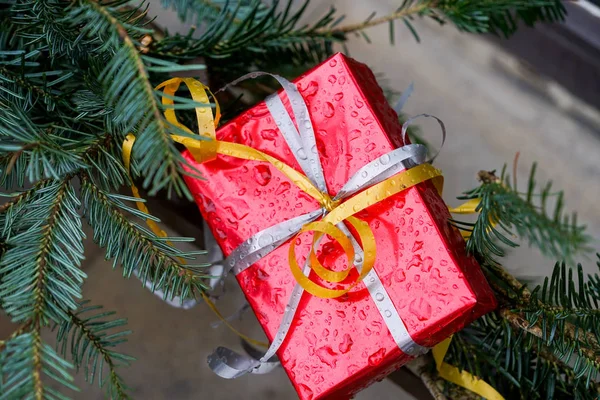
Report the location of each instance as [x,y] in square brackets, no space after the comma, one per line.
[226,362]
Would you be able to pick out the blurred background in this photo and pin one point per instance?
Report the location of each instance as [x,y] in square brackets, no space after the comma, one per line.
[537,94]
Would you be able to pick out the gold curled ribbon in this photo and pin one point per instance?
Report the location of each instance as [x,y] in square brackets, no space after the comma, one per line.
[461,378]
[207,147]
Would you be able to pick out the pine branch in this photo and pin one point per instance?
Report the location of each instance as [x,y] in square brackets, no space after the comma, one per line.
[130,93]
[44,253]
[202,11]
[504,212]
[22,198]
[25,88]
[409,8]
[25,361]
[548,336]
[255,33]
[32,151]
[474,16]
[138,249]
[90,342]
[541,331]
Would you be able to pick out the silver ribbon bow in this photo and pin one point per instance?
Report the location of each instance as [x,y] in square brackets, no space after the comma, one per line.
[226,362]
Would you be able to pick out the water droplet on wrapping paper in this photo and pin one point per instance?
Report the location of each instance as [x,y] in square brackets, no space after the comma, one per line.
[370,147]
[362,315]
[417,278]
[417,246]
[282,188]
[325,332]
[306,391]
[354,134]
[262,174]
[327,356]
[399,275]
[376,325]
[366,121]
[265,240]
[379,297]
[377,357]
[342,80]
[437,275]
[358,258]
[318,312]
[367,332]
[220,233]
[311,89]
[332,79]
[318,379]
[261,274]
[358,102]
[416,261]
[341,314]
[241,192]
[346,344]
[311,337]
[387,313]
[274,260]
[353,369]
[328,109]
[421,309]
[427,264]
[332,63]
[268,134]
[443,263]
[302,154]
[384,159]
[408,211]
[232,224]
[338,96]
[298,205]
[354,114]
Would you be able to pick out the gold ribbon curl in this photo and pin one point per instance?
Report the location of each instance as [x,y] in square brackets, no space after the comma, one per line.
[207,147]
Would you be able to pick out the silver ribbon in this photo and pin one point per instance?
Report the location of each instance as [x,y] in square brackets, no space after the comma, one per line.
[301,140]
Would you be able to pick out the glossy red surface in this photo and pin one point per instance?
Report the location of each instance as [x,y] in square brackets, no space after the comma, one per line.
[338,347]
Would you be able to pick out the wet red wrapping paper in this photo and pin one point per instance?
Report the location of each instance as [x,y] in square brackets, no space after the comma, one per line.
[338,347]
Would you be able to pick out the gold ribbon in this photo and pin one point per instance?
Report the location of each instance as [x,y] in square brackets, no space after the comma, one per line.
[207,147]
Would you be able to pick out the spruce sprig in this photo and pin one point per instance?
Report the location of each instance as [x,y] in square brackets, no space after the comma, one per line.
[24,361]
[89,337]
[505,212]
[44,240]
[136,248]
[539,344]
[130,92]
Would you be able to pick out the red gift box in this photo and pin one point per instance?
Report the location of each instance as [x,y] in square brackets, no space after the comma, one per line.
[337,347]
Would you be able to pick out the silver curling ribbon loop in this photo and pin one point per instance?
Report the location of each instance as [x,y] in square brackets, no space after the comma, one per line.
[229,365]
[440,122]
